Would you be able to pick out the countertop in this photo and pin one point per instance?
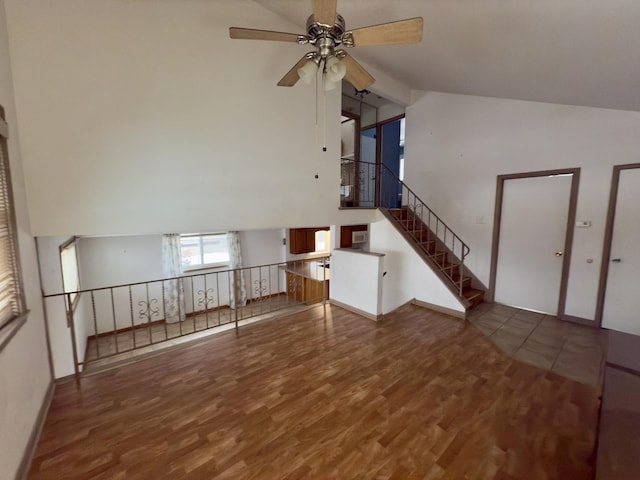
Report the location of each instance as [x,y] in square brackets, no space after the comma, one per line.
[312,270]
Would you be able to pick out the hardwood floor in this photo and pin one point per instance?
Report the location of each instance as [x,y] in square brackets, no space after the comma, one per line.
[417,395]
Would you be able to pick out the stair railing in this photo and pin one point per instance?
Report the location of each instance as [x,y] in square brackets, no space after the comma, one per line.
[375,185]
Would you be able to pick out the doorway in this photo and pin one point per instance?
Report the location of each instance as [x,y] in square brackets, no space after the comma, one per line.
[532,238]
[391,159]
[617,297]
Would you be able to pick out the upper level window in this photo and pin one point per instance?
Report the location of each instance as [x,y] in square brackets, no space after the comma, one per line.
[209,250]
[12,304]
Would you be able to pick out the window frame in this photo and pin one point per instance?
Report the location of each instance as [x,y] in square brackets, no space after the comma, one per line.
[204,266]
[327,240]
[75,298]
[10,327]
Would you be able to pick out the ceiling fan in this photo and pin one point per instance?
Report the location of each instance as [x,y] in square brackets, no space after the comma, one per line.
[326,32]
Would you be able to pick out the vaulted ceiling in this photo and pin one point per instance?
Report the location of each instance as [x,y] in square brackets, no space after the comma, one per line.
[575,52]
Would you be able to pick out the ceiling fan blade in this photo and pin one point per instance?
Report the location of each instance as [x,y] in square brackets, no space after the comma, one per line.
[292,77]
[356,74]
[392,33]
[253,34]
[324,11]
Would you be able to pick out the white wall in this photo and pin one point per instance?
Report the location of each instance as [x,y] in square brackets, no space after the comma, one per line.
[152,120]
[390,110]
[106,261]
[24,364]
[408,277]
[356,280]
[261,247]
[456,146]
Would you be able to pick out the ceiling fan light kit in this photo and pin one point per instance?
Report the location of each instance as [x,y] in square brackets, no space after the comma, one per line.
[326,30]
[335,71]
[308,71]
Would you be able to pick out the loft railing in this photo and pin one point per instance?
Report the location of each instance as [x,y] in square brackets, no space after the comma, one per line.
[109,321]
[369,185]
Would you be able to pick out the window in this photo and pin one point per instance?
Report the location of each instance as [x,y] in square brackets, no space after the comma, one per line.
[210,250]
[12,304]
[323,241]
[70,275]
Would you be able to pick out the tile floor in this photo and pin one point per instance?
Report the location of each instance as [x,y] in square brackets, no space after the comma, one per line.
[570,350]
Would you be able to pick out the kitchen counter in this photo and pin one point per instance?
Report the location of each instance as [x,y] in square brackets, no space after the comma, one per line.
[308,269]
[307,281]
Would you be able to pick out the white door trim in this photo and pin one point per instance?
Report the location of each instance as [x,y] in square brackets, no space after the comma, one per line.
[608,237]
[571,218]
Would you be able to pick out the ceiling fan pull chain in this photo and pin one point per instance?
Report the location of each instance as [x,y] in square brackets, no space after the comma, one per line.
[324,113]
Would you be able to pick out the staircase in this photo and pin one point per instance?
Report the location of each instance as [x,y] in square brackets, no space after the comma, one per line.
[438,252]
[431,238]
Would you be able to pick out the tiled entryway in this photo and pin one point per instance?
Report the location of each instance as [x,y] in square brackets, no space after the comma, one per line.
[570,350]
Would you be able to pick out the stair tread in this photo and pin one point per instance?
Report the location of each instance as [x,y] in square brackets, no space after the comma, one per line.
[470,292]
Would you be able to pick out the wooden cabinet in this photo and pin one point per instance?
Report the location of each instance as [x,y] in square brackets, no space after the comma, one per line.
[295,286]
[303,240]
[306,290]
[307,281]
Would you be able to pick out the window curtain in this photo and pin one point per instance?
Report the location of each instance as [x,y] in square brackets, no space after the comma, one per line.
[174,306]
[238,285]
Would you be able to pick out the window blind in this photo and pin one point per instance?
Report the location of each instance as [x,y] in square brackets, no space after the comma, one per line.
[10,300]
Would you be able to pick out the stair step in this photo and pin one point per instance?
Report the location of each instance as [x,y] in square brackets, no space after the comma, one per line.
[411,225]
[424,236]
[439,257]
[473,296]
[466,283]
[430,249]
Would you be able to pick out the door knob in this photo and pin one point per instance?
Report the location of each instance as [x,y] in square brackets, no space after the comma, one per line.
[616,260]
[558,254]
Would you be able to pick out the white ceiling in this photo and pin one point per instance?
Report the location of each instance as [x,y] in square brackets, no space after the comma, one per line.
[575,52]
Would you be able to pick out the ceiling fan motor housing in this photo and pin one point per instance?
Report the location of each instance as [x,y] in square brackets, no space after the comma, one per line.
[325,37]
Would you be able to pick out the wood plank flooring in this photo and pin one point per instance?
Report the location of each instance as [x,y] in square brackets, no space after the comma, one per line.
[417,395]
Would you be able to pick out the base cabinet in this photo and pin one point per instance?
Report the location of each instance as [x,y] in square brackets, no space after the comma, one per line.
[306,290]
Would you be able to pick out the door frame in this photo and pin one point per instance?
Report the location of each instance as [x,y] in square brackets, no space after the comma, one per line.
[608,237]
[378,127]
[568,243]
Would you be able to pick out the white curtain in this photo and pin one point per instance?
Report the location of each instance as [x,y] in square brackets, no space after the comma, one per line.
[238,285]
[174,307]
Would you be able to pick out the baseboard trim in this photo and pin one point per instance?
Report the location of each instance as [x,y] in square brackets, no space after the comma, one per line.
[30,449]
[355,310]
[580,321]
[622,368]
[439,309]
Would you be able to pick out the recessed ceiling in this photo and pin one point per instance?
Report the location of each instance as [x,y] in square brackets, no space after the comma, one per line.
[575,52]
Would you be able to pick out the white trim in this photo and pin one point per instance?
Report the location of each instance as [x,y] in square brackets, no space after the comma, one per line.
[4,128]
[438,308]
[355,310]
[36,431]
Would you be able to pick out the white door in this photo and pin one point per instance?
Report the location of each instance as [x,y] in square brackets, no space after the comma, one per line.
[623,282]
[533,229]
